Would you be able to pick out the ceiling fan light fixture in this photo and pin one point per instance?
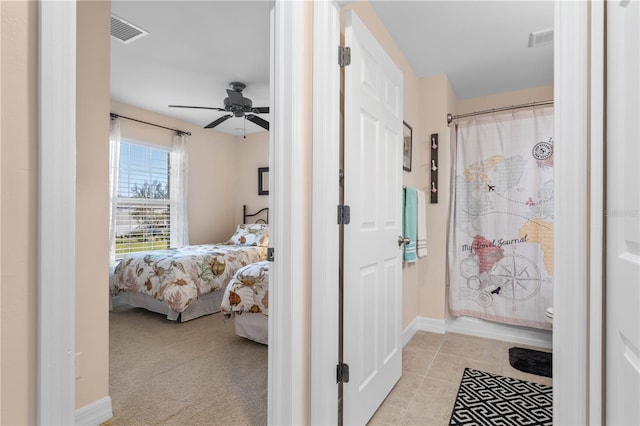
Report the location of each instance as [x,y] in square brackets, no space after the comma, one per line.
[237,105]
[237,86]
[541,38]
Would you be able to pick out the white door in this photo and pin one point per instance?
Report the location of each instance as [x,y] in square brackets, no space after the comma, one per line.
[623,218]
[372,300]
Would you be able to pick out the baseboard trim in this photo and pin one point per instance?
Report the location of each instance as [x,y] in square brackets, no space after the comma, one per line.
[422,324]
[409,332]
[432,325]
[505,332]
[95,413]
[479,328]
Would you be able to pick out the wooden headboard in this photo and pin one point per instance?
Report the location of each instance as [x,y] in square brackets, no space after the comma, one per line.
[263,213]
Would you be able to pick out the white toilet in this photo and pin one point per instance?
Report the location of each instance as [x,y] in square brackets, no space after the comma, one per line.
[548,315]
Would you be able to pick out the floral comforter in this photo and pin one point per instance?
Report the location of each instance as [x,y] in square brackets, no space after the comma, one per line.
[179,276]
[248,291]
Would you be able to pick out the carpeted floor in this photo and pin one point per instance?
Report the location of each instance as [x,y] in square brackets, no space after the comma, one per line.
[194,373]
[490,399]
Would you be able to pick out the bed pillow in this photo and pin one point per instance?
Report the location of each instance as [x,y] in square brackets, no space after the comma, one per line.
[251,234]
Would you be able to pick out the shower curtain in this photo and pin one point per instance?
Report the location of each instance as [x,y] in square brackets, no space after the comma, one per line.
[501,225]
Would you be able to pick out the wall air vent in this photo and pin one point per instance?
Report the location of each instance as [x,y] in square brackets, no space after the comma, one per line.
[125,31]
[540,38]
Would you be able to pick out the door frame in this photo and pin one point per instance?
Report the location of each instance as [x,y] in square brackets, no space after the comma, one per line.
[55,386]
[325,232]
[596,171]
[55,321]
[578,212]
[288,369]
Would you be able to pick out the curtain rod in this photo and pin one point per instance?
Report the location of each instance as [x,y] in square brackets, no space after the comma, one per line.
[451,117]
[179,132]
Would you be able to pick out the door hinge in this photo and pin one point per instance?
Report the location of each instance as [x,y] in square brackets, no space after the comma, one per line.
[342,373]
[344,214]
[344,56]
[270,254]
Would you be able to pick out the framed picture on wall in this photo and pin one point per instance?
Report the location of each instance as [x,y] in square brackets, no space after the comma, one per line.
[407,147]
[263,181]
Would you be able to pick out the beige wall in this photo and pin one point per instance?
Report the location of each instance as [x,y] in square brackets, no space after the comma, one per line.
[435,97]
[251,153]
[92,201]
[535,94]
[222,170]
[18,195]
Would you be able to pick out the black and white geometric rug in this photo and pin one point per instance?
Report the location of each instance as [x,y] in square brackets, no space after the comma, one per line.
[489,399]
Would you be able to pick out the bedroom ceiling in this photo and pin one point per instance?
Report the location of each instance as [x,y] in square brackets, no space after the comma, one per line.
[193,51]
[196,48]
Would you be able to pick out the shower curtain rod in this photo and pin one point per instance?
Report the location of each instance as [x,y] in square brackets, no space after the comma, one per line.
[179,132]
[451,117]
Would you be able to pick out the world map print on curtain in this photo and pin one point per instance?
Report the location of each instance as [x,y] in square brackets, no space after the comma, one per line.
[501,228]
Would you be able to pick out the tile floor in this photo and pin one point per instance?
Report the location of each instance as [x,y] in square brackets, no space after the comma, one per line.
[432,367]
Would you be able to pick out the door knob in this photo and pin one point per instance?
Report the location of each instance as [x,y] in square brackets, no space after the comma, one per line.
[402,240]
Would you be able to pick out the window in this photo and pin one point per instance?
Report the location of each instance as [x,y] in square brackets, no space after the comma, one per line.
[143,201]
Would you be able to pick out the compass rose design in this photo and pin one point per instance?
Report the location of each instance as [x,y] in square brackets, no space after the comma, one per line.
[542,150]
[519,277]
[514,277]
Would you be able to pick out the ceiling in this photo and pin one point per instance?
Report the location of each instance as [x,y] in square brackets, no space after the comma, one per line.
[196,48]
[193,51]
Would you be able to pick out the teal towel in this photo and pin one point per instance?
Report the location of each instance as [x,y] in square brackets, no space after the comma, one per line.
[410,223]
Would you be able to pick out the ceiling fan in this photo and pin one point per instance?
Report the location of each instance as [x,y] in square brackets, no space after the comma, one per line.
[237,105]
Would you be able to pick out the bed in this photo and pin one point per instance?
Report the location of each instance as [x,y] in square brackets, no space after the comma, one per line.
[246,301]
[189,282]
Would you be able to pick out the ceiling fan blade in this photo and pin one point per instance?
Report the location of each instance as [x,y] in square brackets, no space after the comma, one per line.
[196,107]
[260,110]
[257,120]
[218,121]
[235,98]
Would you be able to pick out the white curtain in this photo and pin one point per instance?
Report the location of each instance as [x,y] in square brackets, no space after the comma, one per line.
[114,171]
[178,192]
[501,227]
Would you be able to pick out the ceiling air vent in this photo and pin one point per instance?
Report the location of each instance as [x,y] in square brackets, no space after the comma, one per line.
[540,38]
[125,31]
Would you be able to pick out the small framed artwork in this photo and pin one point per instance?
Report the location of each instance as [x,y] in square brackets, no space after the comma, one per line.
[407,146]
[263,181]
